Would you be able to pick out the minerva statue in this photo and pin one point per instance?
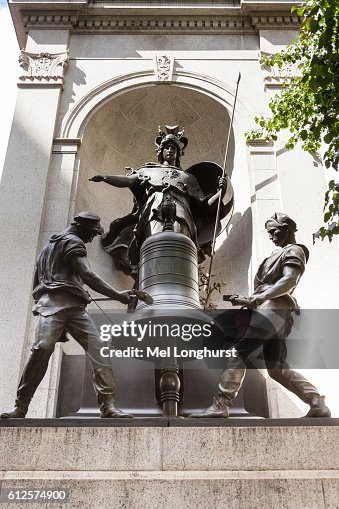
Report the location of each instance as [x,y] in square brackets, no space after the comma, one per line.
[167,198]
[174,212]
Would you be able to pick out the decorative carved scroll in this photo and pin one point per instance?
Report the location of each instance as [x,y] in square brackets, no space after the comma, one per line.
[275,76]
[164,67]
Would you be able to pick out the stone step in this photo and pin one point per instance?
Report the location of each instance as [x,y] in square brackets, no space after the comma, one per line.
[198,490]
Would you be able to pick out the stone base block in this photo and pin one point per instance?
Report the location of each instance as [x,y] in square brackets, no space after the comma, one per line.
[165,466]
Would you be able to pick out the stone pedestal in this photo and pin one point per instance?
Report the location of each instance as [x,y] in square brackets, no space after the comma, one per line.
[232,463]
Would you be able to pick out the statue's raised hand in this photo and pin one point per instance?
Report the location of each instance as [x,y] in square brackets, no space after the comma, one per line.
[223,183]
[97,178]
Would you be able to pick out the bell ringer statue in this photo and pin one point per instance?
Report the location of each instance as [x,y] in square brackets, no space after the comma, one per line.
[60,304]
[274,283]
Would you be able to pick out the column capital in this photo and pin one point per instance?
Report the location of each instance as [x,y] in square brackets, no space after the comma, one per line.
[42,69]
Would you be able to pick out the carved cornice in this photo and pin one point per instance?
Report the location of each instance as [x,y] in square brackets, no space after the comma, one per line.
[176,16]
[50,19]
[141,23]
[276,21]
[43,68]
[162,24]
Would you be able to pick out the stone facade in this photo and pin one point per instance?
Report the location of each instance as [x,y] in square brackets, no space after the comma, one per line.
[97,79]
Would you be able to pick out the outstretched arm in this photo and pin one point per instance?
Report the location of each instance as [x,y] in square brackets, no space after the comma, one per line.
[283,286]
[116,180]
[81,266]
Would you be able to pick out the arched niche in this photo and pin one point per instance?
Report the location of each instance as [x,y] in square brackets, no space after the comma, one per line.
[121,134]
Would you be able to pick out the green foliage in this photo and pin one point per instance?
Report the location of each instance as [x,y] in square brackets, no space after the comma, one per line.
[331,213]
[308,104]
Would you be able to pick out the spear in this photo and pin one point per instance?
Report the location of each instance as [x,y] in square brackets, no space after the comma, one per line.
[220,197]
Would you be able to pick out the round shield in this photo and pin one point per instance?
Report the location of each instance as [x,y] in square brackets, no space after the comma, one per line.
[208,174]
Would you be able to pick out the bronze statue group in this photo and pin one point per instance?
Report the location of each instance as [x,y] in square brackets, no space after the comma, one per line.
[166,198]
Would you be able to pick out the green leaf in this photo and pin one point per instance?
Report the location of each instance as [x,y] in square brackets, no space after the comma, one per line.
[327,216]
[328,137]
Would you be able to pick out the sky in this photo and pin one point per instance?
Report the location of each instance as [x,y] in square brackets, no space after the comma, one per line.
[8,89]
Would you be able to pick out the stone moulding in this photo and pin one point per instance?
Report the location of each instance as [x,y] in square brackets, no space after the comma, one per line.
[177,23]
[276,21]
[49,19]
[147,23]
[75,120]
[142,23]
[66,145]
[260,142]
[43,67]
[260,146]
